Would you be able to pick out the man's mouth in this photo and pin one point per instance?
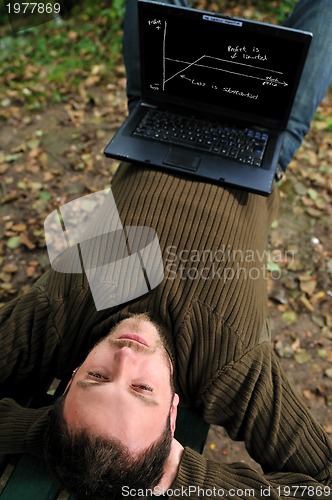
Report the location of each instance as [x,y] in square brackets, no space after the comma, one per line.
[135,337]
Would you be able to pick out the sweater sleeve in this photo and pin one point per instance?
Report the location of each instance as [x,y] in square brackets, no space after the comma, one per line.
[254,401]
[28,343]
[28,348]
[201,478]
[21,429]
[39,341]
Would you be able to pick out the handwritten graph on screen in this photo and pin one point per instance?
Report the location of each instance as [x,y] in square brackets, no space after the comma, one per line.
[239,61]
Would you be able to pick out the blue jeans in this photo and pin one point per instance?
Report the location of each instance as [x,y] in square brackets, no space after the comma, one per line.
[308,15]
[314,16]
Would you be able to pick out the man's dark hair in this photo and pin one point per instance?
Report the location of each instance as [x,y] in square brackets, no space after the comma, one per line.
[96,468]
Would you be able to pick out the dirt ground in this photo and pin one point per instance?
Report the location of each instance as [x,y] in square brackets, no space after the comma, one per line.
[50,157]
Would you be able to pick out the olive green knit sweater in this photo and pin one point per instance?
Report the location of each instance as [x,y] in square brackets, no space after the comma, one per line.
[213,300]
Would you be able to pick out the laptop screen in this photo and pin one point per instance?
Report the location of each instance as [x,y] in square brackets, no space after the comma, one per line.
[225,65]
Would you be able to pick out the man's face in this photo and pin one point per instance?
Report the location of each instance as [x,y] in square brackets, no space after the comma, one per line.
[123,388]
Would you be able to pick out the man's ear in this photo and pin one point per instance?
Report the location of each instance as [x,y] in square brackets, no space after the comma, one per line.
[174,412]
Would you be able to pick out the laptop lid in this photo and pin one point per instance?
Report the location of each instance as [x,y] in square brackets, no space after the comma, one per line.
[220,65]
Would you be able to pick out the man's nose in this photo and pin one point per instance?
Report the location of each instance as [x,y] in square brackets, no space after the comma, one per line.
[124,356]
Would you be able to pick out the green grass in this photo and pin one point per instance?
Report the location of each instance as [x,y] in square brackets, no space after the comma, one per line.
[61,53]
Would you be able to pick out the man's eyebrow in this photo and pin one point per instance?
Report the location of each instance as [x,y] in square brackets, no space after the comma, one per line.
[88,384]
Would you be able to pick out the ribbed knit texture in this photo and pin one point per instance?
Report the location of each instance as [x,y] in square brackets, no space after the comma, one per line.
[213,299]
[200,478]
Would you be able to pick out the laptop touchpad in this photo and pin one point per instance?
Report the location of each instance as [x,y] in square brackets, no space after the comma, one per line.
[183,159]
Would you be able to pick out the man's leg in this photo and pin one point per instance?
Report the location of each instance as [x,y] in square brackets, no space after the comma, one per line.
[314,16]
[131,49]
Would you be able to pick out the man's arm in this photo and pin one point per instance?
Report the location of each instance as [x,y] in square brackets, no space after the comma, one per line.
[38,341]
[27,344]
[21,429]
[198,477]
[254,401]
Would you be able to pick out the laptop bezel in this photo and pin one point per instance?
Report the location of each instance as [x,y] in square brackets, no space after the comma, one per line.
[214,111]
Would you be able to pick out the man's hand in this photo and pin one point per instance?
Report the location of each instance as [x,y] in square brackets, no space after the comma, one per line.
[171,466]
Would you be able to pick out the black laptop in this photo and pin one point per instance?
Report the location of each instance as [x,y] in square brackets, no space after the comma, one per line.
[217,92]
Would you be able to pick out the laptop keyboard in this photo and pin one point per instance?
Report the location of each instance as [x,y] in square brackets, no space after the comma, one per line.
[245,145]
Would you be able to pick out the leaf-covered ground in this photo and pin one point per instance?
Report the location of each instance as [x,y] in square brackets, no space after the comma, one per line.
[53,130]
